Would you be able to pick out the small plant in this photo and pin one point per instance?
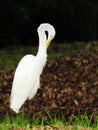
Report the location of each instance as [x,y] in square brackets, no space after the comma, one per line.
[54,121]
[20,121]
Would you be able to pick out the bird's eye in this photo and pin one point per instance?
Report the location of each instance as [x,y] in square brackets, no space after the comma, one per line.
[46,32]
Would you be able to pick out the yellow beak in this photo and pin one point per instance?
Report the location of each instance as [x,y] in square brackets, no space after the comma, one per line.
[48,42]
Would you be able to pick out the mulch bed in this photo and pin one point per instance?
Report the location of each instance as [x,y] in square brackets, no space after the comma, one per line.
[51,128]
[69,86]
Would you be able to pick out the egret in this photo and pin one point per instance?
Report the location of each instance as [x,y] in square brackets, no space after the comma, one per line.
[27,75]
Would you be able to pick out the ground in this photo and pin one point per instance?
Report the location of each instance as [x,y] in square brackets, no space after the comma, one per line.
[54,128]
[69,86]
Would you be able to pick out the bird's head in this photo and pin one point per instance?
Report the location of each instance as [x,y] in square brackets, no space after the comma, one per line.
[46,27]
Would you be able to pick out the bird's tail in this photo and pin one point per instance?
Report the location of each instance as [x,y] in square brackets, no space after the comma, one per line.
[16,103]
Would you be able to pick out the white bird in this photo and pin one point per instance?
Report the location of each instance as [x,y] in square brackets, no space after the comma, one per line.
[27,75]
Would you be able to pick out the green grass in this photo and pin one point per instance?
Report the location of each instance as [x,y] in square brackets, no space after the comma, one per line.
[10,56]
[21,121]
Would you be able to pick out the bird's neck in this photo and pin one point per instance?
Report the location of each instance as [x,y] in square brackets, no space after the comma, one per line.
[42,51]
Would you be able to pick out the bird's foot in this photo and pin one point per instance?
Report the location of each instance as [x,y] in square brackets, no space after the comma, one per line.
[30,126]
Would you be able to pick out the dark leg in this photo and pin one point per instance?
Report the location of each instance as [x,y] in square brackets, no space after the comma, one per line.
[29,115]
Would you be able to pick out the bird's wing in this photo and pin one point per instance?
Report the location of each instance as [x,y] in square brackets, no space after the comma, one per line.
[34,89]
[25,79]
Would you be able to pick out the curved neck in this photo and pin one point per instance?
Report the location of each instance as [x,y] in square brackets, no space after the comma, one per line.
[42,44]
[42,51]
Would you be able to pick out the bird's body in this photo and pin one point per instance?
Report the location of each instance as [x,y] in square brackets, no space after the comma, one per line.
[28,83]
[27,76]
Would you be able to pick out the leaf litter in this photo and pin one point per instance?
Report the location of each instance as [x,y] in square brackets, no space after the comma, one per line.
[51,128]
[69,85]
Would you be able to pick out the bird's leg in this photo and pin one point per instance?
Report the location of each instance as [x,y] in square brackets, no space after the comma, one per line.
[28,111]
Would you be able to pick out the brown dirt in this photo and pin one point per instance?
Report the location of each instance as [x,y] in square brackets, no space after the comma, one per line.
[53,128]
[69,85]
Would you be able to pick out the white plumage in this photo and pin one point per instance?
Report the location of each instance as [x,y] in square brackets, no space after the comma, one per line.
[27,76]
